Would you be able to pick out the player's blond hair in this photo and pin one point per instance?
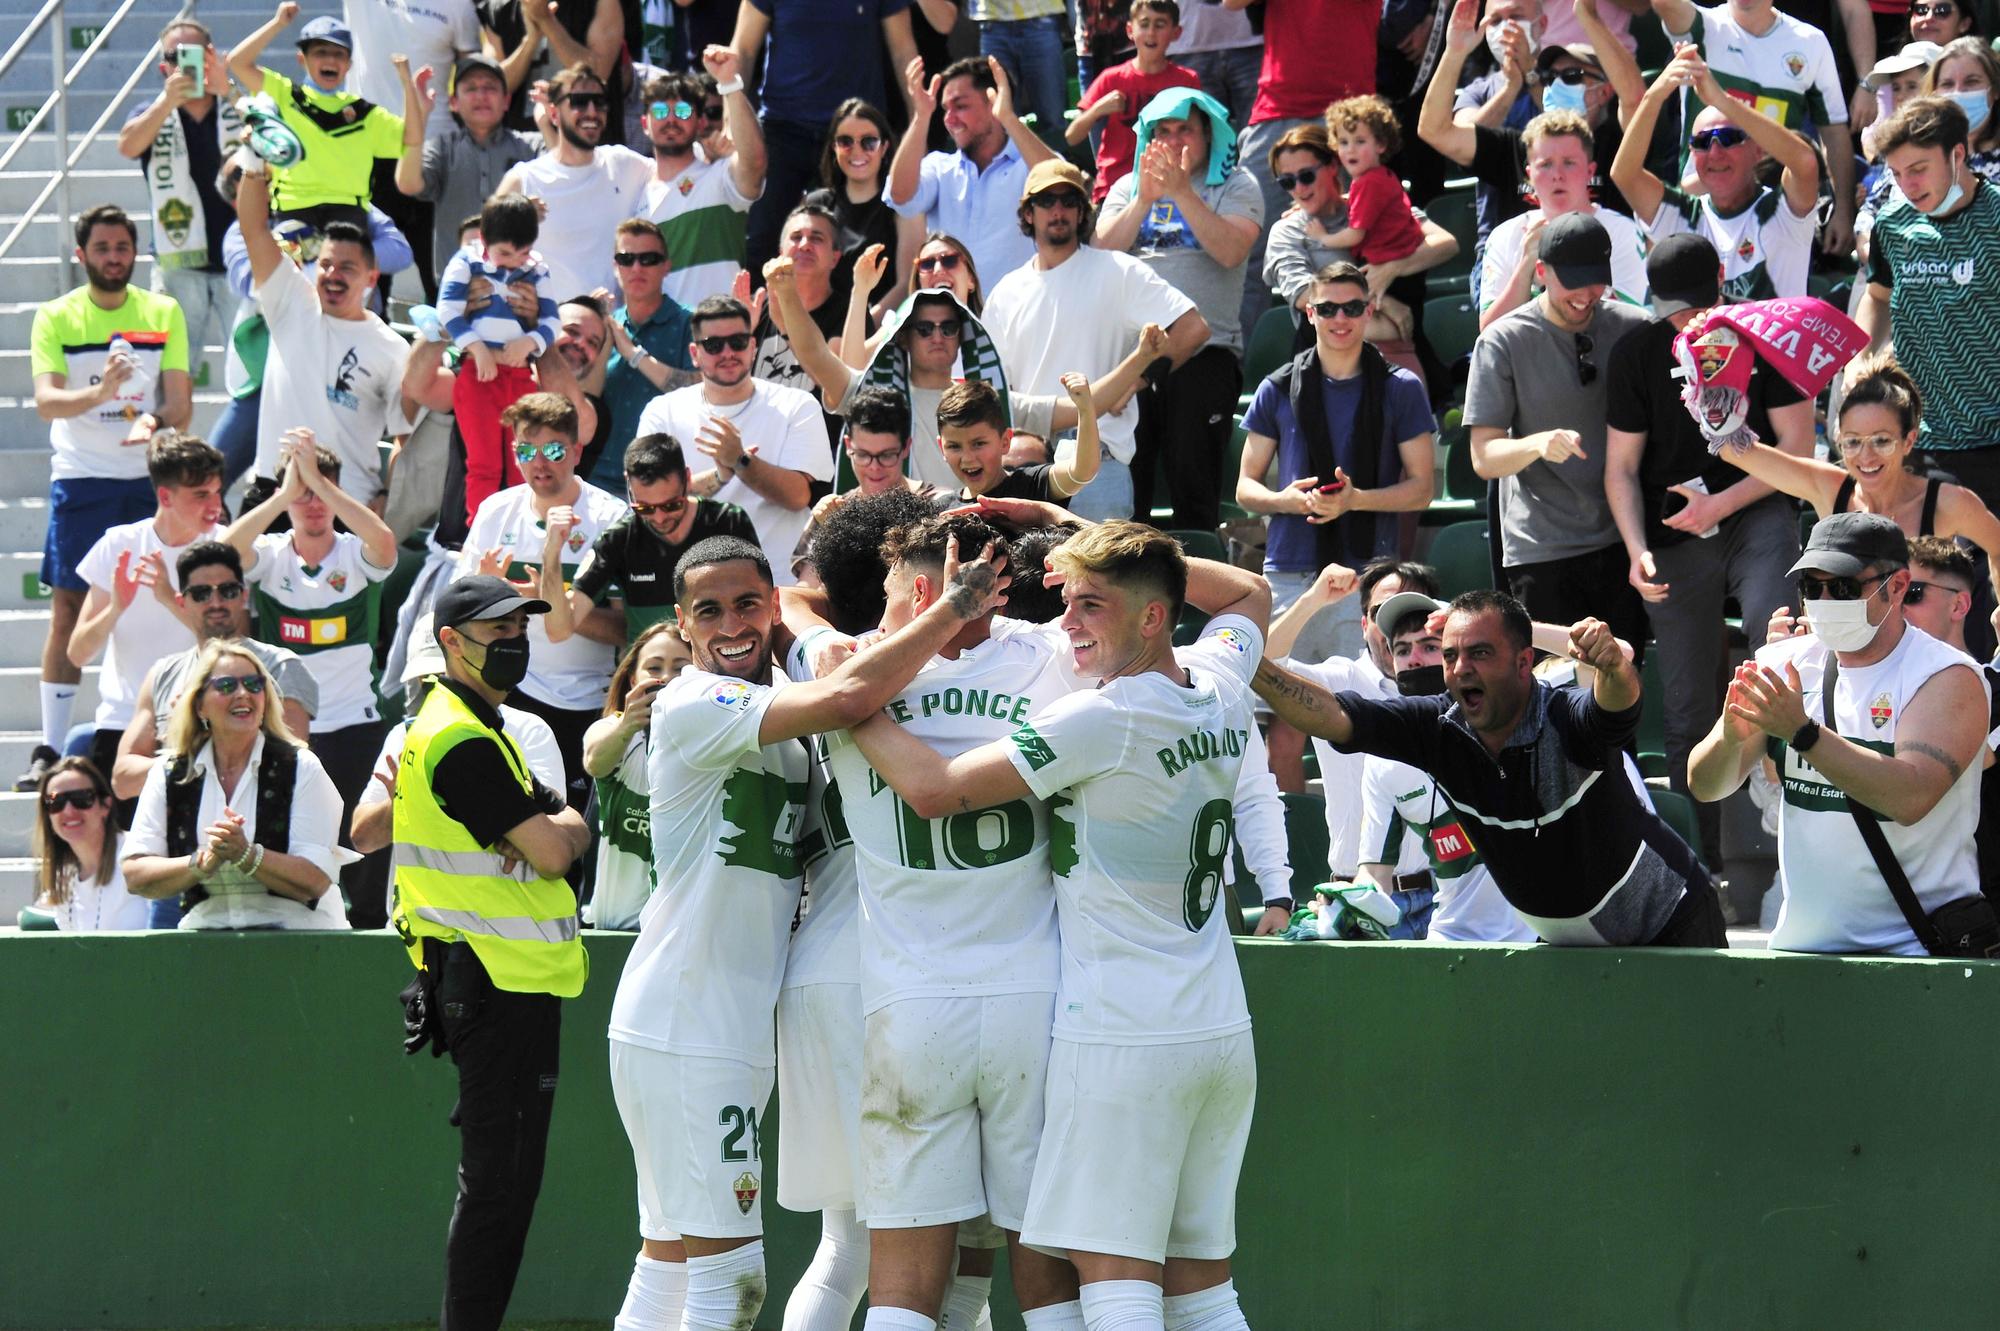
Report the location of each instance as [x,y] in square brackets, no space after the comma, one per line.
[1130,554]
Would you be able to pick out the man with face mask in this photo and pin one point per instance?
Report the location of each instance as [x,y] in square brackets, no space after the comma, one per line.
[1934,286]
[1435,876]
[481,849]
[1894,747]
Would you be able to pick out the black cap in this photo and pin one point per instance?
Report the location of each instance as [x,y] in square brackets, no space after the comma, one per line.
[481,596]
[467,64]
[1684,273]
[1847,544]
[1582,52]
[1577,248]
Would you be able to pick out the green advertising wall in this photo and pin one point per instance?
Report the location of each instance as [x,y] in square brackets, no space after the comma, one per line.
[219,1130]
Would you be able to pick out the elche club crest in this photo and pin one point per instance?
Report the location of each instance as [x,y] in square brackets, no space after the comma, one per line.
[745,1188]
[337,580]
[1882,710]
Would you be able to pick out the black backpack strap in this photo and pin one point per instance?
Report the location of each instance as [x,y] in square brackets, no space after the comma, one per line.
[1927,524]
[1878,844]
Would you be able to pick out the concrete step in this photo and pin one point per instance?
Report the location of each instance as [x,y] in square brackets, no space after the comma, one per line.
[17,834]
[17,886]
[40,152]
[21,706]
[22,633]
[17,748]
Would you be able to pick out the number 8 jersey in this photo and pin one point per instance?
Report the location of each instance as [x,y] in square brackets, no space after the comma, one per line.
[1141,778]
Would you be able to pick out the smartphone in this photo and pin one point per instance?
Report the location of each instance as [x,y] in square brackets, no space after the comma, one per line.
[193,63]
[1333,487]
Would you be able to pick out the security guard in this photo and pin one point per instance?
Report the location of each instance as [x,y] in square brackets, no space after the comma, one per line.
[481,849]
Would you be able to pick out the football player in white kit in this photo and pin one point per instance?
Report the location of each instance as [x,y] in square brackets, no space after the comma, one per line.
[691,1026]
[1151,1078]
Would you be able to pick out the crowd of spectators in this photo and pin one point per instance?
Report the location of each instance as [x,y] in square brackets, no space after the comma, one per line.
[704,269]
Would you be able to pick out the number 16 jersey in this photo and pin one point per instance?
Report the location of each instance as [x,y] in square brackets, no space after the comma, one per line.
[966,904]
[1141,777]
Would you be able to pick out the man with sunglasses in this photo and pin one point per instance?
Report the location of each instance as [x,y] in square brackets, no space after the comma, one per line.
[767,443]
[629,568]
[587,185]
[1535,409]
[649,330]
[702,204]
[535,534]
[1900,743]
[1765,235]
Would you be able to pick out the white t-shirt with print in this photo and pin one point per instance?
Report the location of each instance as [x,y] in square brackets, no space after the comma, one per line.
[1628,257]
[1141,775]
[572,674]
[1084,314]
[789,431]
[340,378]
[145,630]
[624,843]
[586,203]
[703,216]
[328,615]
[531,734]
[703,976]
[429,32]
[961,905]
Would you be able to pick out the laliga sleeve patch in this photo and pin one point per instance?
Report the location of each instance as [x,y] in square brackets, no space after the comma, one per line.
[731,695]
[1235,639]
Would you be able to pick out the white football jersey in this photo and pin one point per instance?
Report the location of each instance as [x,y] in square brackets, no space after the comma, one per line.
[965,904]
[826,940]
[703,976]
[1141,776]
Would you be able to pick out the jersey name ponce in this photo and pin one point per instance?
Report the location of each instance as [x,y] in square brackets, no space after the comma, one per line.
[996,704]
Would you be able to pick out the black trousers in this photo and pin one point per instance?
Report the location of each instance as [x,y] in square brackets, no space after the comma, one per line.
[1562,591]
[348,755]
[505,1046]
[1186,420]
[568,726]
[1696,922]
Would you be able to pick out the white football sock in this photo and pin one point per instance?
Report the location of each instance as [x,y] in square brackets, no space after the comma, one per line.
[725,1291]
[828,1293]
[1211,1309]
[896,1319]
[58,703]
[964,1300]
[1055,1317]
[1122,1305]
[653,1300]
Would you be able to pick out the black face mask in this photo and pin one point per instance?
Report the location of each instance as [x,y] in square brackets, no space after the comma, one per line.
[1420,681]
[505,663]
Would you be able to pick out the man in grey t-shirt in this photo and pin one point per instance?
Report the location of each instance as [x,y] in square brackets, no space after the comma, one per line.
[1535,409]
[1190,214]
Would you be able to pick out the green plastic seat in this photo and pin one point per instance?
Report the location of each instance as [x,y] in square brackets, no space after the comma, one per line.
[1454,211]
[1451,325]
[1677,810]
[1462,557]
[37,920]
[1200,544]
[1269,347]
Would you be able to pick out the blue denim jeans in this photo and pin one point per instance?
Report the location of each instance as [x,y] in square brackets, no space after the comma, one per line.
[1108,496]
[235,436]
[1031,51]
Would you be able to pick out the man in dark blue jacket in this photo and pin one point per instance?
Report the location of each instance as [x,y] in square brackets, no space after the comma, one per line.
[1539,775]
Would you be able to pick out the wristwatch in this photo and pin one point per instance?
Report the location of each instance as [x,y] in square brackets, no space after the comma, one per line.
[1805,737]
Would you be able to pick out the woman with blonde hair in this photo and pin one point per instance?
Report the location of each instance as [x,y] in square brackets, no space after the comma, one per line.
[76,843]
[614,753]
[238,818]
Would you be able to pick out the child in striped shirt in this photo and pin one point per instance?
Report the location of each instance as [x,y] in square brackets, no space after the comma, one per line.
[497,351]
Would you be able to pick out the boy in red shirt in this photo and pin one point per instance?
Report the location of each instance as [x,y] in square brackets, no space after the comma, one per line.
[1380,227]
[1115,97]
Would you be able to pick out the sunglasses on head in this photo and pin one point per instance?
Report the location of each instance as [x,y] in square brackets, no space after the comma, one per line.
[714,345]
[650,259]
[939,327]
[1292,180]
[228,684]
[555,450]
[227,591]
[1586,372]
[938,263]
[1838,589]
[671,111]
[1725,136]
[1915,596]
[584,101]
[1353,309]
[666,508]
[70,799]
[867,142]
[1057,198]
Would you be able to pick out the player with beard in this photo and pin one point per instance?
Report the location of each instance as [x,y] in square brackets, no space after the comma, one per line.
[588,186]
[97,430]
[958,1004]
[702,204]
[692,1056]
[1140,778]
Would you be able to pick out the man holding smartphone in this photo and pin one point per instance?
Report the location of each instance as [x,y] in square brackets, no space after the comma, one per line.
[180,140]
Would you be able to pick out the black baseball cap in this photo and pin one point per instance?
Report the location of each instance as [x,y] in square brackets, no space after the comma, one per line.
[1847,544]
[481,596]
[485,63]
[1684,273]
[1577,248]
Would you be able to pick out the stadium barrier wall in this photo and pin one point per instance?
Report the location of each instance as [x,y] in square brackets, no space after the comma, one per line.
[222,1130]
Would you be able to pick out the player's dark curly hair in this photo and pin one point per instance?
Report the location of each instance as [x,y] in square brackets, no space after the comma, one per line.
[847,550]
[1027,598]
[927,543]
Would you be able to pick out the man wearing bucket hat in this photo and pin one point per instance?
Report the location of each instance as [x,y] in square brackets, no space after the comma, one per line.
[1866,721]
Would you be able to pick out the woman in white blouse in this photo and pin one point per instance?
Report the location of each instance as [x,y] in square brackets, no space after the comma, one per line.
[76,840]
[214,822]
